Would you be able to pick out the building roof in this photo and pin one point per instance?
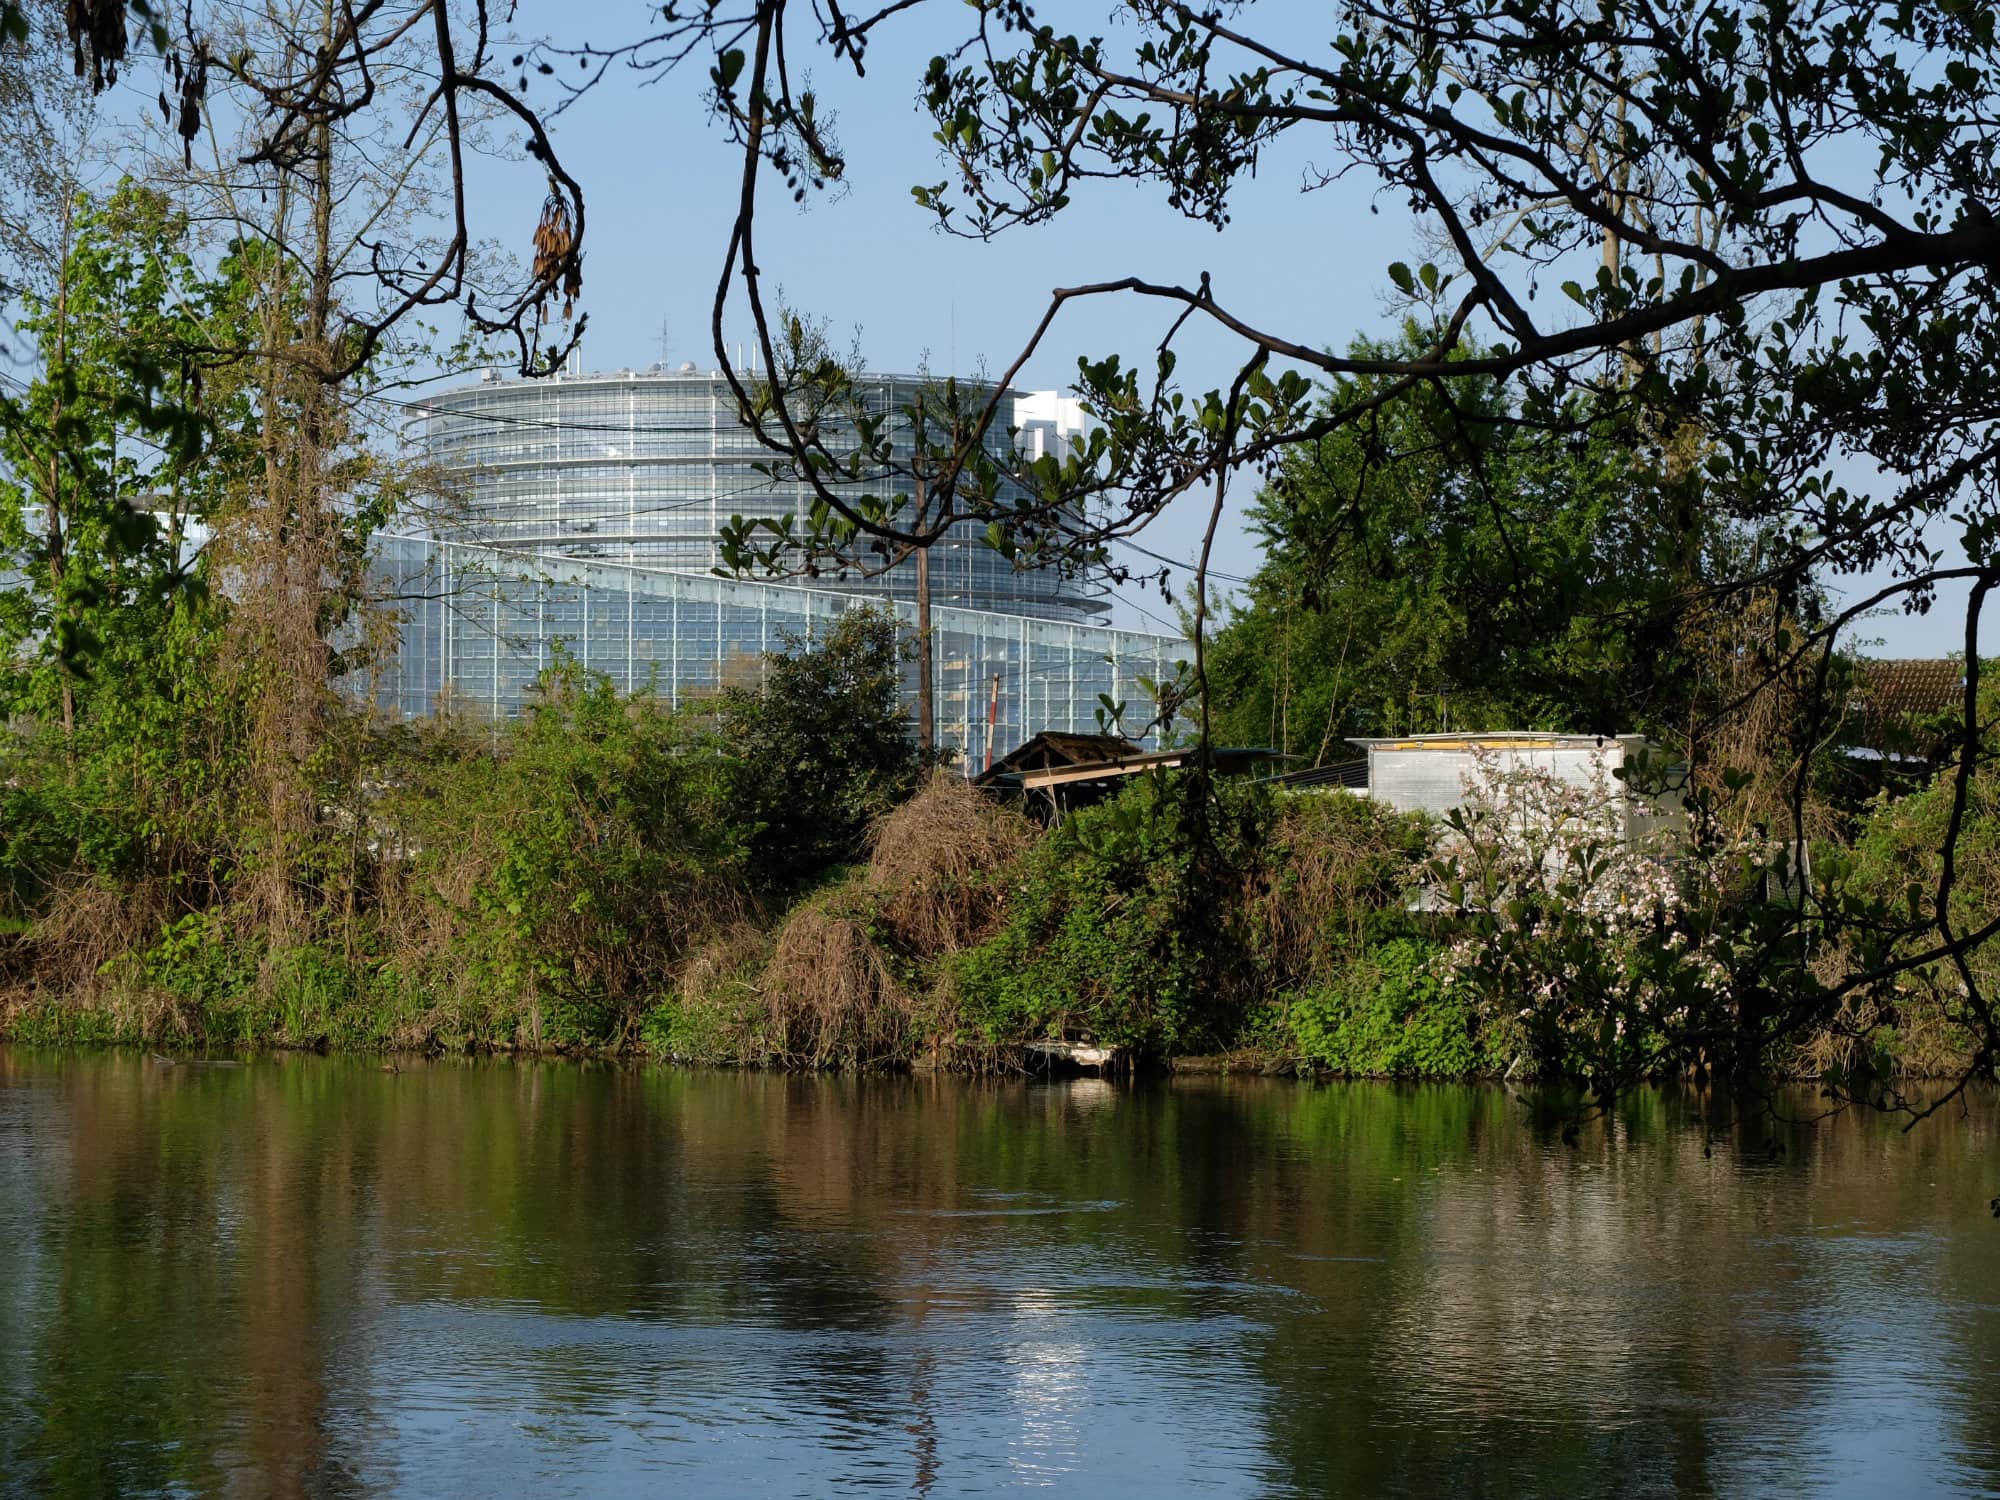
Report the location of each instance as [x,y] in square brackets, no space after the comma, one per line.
[1502,739]
[1055,748]
[1055,759]
[1893,698]
[1351,775]
[1912,685]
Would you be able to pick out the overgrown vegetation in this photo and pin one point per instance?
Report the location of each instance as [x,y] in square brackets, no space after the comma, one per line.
[608,873]
[539,884]
[1617,518]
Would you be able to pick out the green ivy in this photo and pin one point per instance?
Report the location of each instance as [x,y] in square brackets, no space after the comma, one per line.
[1118,928]
[1386,1014]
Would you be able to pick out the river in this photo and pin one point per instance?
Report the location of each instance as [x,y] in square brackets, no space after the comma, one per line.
[313,1277]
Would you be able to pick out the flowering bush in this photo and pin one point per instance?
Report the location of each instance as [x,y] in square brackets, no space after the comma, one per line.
[1596,923]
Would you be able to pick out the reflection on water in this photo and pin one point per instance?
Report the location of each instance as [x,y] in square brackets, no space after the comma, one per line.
[309,1277]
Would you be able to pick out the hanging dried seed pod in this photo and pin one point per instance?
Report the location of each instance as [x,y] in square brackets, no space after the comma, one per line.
[97,27]
[193,81]
[556,259]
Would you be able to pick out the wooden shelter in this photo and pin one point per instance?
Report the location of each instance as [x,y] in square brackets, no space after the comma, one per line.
[1061,771]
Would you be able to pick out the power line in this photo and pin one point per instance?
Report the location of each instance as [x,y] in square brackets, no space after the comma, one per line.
[1176,562]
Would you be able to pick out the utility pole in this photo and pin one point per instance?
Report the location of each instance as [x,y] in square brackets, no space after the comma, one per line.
[926,699]
[992,719]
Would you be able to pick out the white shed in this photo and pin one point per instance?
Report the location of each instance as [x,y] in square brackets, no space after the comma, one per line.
[1429,773]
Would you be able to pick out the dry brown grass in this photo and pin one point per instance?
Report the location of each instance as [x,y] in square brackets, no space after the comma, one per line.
[1335,860]
[935,864]
[89,924]
[1912,1021]
[732,956]
[1748,715]
[831,997]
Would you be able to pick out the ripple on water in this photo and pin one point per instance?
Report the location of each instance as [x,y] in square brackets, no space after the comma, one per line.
[291,1279]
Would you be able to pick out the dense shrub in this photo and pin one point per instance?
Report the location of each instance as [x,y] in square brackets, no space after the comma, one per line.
[1335,876]
[1386,1013]
[939,864]
[610,872]
[822,747]
[542,882]
[573,868]
[1920,1020]
[1617,949]
[1123,926]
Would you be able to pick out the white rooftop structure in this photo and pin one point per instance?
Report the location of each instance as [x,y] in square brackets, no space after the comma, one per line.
[1430,773]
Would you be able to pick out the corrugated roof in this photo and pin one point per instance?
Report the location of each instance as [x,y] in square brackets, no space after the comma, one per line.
[1351,774]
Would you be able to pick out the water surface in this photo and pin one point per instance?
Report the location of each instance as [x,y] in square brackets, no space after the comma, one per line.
[310,1277]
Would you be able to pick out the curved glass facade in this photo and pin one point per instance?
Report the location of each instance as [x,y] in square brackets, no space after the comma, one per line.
[592,510]
[479,626]
[644,468]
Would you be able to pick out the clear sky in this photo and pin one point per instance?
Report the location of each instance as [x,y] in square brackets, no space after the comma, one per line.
[660,180]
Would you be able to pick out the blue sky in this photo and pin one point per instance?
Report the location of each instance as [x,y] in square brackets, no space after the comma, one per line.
[660,180]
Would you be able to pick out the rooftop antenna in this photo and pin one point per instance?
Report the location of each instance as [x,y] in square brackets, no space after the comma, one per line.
[665,343]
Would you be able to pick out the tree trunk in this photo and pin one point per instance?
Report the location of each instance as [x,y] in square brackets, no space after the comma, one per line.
[53,515]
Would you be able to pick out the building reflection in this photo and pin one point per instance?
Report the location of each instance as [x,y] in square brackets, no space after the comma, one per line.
[308,1277]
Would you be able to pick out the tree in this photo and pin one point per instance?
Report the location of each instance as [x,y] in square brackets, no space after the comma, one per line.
[1772,232]
[119,457]
[292,80]
[897,450]
[1427,569]
[823,745]
[327,162]
[110,626]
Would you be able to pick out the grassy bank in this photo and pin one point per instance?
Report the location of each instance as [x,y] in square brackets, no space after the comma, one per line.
[769,878]
[964,935]
[1277,931]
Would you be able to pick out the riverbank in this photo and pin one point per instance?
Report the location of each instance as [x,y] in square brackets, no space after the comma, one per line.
[769,879]
[1275,937]
[1251,933]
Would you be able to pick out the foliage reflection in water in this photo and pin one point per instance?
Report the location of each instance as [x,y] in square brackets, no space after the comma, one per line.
[311,1277]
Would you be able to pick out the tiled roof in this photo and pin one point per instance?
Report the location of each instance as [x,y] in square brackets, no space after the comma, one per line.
[1894,698]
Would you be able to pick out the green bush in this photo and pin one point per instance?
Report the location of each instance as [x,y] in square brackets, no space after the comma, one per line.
[1335,878]
[198,958]
[821,748]
[573,868]
[1386,1014]
[716,1012]
[1923,1022]
[1122,926]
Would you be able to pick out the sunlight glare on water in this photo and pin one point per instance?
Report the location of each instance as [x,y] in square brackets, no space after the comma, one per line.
[310,1277]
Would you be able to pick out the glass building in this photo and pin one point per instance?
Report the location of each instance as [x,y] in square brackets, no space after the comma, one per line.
[592,506]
